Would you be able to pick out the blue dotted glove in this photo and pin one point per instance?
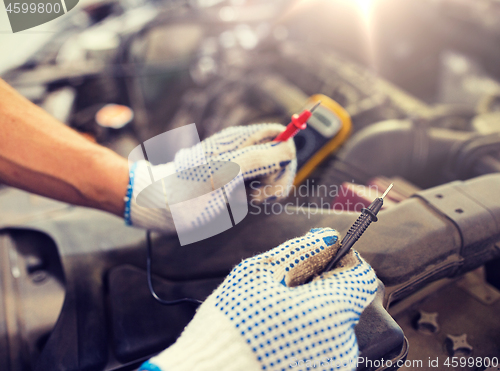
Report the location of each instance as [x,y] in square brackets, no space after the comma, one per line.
[265,317]
[273,164]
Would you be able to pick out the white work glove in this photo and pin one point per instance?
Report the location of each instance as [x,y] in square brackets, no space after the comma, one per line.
[264,317]
[273,164]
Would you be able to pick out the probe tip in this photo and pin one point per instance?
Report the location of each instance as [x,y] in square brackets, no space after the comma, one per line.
[315,106]
[387,190]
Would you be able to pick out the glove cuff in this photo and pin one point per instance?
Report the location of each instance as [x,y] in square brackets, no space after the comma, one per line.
[153,213]
[128,197]
[210,342]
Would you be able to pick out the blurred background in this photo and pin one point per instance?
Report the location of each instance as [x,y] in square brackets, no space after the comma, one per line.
[416,84]
[221,63]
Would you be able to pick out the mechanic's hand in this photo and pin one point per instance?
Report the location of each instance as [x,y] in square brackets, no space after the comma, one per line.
[273,164]
[264,317]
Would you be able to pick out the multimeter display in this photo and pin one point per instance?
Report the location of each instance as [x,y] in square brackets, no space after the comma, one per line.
[321,127]
[327,129]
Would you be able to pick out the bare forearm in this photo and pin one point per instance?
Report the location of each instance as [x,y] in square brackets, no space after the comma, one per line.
[41,155]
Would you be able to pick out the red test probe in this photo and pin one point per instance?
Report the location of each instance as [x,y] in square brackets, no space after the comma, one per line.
[299,122]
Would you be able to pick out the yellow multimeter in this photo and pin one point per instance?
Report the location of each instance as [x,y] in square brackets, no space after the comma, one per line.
[327,129]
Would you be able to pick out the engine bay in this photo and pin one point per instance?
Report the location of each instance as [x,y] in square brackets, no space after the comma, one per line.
[420,82]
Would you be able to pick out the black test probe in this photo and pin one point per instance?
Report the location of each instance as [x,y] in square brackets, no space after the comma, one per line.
[368,215]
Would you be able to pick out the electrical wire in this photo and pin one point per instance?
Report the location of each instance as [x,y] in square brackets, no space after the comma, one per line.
[149,260]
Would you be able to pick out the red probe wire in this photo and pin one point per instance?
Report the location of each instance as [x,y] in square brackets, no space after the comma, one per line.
[298,123]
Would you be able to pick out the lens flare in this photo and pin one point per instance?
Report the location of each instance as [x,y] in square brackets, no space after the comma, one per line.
[365,5]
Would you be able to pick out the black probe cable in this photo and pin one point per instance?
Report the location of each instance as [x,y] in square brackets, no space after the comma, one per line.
[150,278]
[368,215]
